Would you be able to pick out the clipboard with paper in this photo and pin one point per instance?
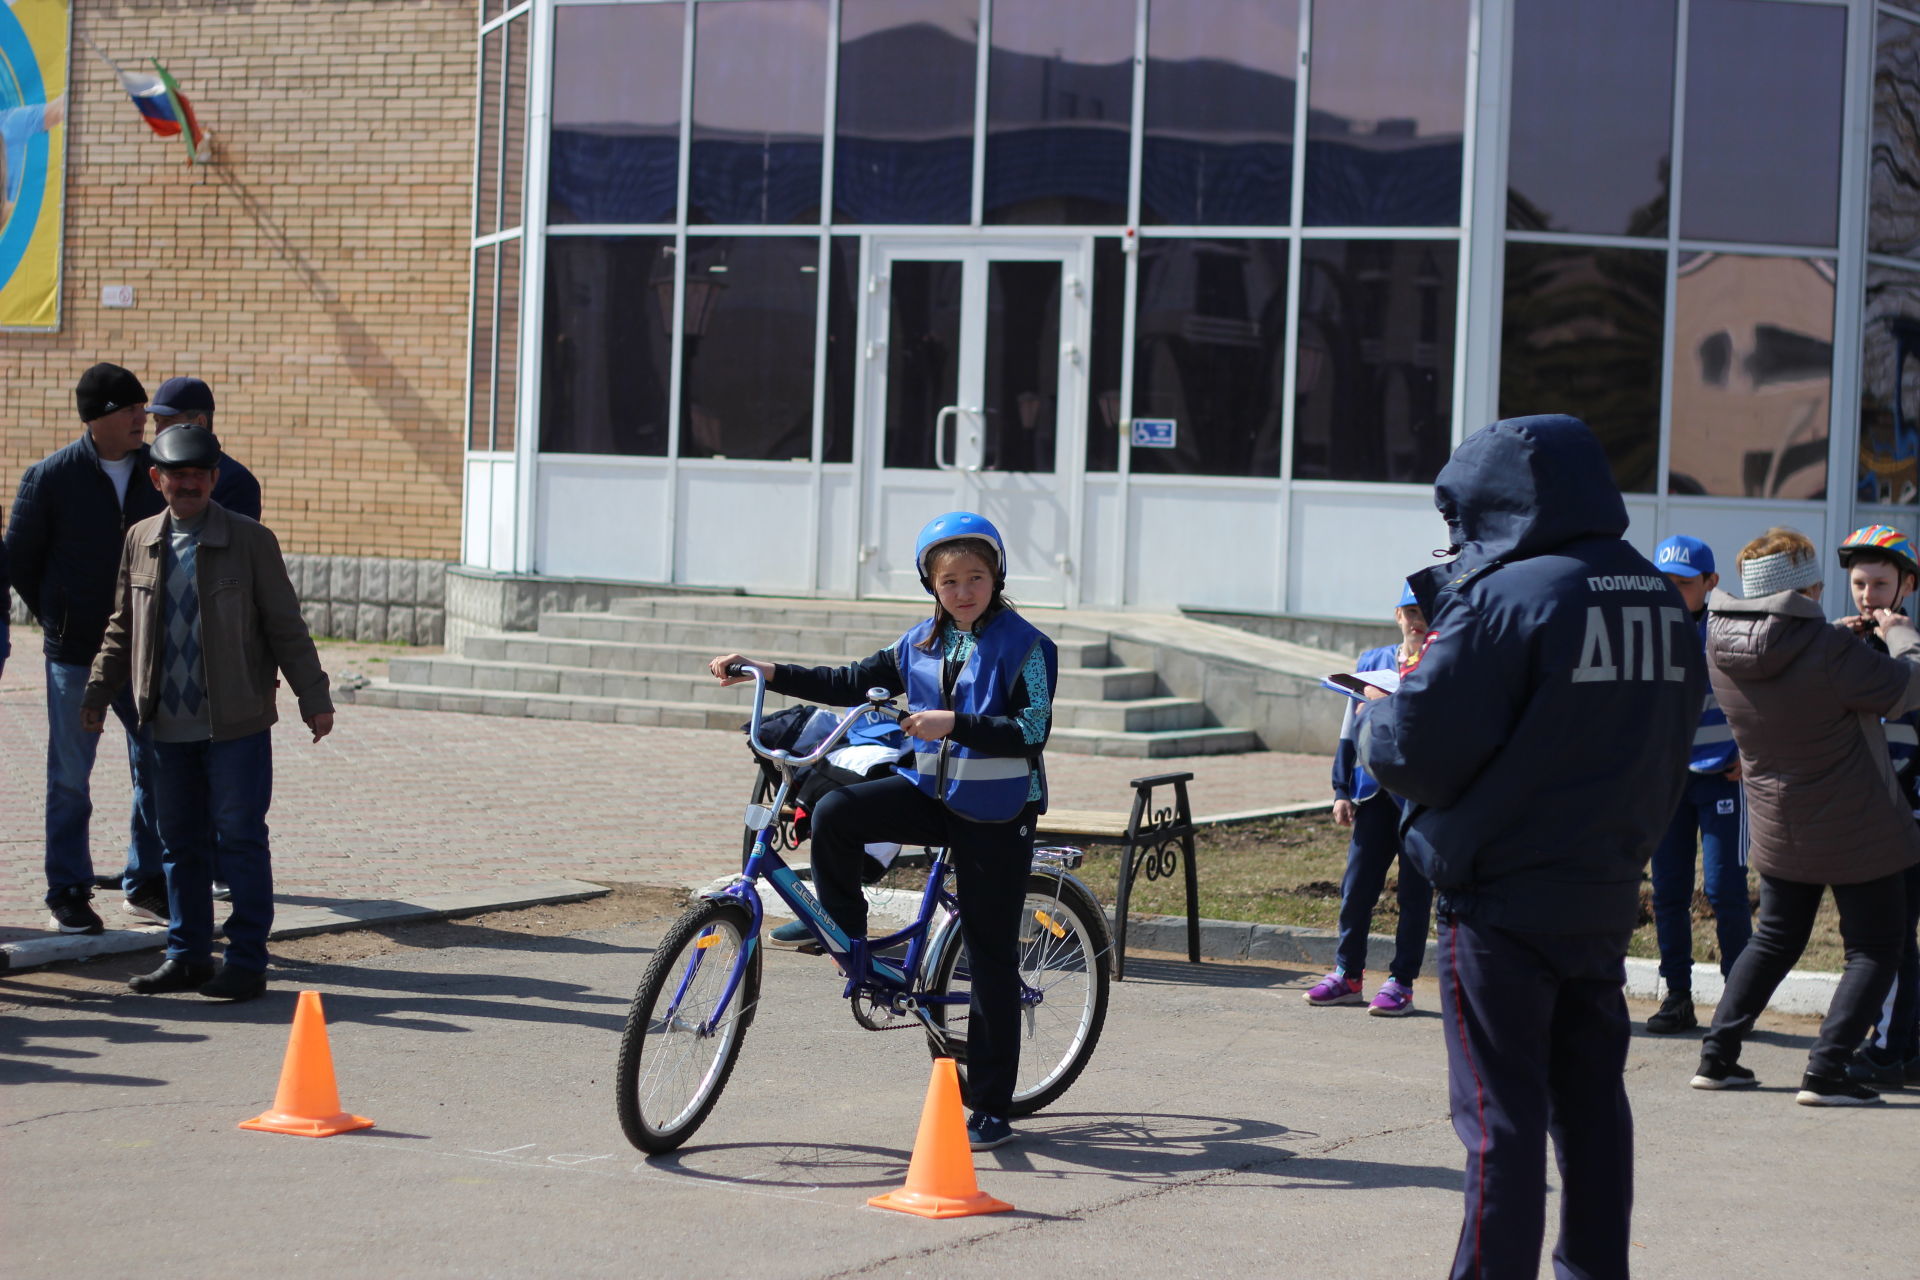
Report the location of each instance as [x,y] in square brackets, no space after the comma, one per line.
[1354,684]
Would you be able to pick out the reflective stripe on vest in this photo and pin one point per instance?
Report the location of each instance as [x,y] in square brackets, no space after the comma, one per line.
[981,787]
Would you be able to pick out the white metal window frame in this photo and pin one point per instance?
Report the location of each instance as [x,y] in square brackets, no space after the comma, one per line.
[535,230]
[1835,514]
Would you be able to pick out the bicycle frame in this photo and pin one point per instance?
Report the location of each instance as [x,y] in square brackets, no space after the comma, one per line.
[885,980]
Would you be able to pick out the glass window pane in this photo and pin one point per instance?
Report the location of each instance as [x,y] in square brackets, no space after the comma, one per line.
[486,178]
[616,113]
[1022,395]
[506,413]
[843,347]
[1764,88]
[607,350]
[1752,376]
[1218,146]
[1893,218]
[1592,116]
[513,131]
[903,136]
[746,388]
[480,352]
[1386,105]
[1890,387]
[1059,111]
[1582,334]
[923,357]
[1108,348]
[1207,354]
[1373,387]
[759,101]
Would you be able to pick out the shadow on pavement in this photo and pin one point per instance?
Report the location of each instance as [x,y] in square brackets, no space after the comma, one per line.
[1211,973]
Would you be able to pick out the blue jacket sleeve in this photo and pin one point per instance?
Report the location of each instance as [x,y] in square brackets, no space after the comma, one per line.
[1452,714]
[27,540]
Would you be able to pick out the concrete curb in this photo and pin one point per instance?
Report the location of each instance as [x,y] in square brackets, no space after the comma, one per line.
[301,922]
[1802,992]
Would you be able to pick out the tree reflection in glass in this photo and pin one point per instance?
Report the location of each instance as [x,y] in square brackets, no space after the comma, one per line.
[1890,387]
[1893,219]
[1581,335]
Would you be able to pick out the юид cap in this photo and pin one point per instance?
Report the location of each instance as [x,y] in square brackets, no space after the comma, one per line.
[1683,557]
[182,395]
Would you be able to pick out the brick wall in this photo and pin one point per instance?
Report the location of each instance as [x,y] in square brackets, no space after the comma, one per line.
[315,274]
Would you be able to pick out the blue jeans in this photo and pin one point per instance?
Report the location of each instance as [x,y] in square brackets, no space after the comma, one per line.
[1374,846]
[210,792]
[70,754]
[1536,1034]
[1710,806]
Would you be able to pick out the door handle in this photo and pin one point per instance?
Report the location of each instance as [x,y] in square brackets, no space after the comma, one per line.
[942,457]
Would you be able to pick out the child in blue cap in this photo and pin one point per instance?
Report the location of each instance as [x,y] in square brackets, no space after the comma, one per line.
[1710,807]
[1374,815]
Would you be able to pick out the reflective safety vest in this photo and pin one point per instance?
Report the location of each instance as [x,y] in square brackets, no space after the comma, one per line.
[983,788]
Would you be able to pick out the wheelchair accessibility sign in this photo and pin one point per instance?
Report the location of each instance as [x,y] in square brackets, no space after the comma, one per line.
[1153,433]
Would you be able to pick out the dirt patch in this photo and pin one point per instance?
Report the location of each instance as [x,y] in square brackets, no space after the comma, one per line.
[625,904]
[1288,871]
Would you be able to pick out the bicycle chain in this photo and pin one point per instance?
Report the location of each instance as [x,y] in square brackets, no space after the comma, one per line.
[878,1017]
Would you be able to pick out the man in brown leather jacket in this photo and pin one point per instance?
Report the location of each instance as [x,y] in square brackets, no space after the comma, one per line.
[205,620]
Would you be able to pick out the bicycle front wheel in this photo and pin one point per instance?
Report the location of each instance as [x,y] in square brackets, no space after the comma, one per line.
[680,1044]
[1063,966]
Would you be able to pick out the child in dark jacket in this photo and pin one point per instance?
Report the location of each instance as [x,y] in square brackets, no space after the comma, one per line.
[1374,815]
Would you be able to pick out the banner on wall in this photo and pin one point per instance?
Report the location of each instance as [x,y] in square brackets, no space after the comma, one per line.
[33,116]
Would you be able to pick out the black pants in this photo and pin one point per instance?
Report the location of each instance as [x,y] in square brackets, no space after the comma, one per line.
[990,861]
[1536,1030]
[1871,917]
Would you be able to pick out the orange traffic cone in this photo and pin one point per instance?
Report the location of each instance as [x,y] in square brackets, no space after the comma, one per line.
[308,1102]
[940,1181]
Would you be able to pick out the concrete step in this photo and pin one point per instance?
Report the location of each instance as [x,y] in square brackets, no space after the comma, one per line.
[1087,683]
[1082,648]
[1158,745]
[689,688]
[833,615]
[407,695]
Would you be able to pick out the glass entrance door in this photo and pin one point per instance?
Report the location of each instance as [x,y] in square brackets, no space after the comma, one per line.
[975,400]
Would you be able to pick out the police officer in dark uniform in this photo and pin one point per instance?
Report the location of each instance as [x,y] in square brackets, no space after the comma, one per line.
[1541,745]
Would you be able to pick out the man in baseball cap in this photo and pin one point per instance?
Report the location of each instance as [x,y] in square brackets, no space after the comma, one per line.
[63,544]
[1709,808]
[190,400]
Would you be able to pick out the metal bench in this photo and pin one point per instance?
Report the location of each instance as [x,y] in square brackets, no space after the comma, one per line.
[1154,840]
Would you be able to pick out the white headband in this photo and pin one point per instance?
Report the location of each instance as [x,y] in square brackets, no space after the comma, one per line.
[1781,571]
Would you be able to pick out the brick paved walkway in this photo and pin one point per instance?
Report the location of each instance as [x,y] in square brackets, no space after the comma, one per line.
[397,804]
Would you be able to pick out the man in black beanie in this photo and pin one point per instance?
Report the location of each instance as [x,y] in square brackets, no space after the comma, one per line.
[63,543]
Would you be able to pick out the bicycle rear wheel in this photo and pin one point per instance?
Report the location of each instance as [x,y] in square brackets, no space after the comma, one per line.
[1063,960]
[679,1045]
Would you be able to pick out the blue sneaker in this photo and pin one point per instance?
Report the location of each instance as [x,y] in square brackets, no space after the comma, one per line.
[985,1132]
[796,936]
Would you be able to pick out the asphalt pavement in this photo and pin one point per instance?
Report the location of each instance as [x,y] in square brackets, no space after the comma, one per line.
[1223,1128]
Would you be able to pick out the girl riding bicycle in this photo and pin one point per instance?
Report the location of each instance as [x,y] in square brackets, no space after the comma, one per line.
[979,681]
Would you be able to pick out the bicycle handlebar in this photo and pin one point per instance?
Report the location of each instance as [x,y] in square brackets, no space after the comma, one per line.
[879,702]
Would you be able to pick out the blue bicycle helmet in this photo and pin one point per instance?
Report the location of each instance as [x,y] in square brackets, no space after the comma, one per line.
[952,527]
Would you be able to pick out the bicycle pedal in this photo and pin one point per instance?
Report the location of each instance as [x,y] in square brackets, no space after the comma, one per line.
[810,948]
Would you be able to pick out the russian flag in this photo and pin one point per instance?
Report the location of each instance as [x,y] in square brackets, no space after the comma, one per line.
[163,106]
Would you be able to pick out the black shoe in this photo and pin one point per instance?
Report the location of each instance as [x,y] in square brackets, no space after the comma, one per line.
[235,984]
[173,975]
[985,1132]
[1877,1070]
[1715,1074]
[147,903]
[1826,1091]
[72,914]
[1675,1016]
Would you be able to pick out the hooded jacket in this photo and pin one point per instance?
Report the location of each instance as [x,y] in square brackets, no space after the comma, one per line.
[1541,744]
[1805,701]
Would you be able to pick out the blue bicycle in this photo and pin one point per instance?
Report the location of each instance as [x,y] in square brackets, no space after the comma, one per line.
[701,989]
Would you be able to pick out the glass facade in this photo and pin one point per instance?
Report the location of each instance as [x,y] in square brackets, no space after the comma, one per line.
[1254,223]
